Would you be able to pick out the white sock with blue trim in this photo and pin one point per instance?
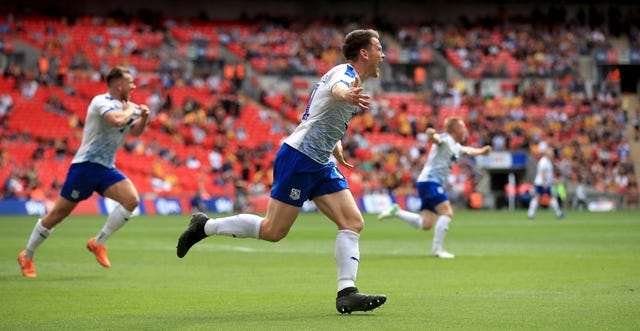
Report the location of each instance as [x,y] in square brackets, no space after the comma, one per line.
[116,219]
[347,255]
[38,235]
[237,226]
[442,226]
[413,219]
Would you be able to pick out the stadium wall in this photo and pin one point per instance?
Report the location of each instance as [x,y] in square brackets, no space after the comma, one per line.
[404,11]
[368,203]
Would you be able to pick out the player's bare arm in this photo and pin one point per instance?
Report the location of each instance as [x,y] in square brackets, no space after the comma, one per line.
[472,151]
[120,118]
[337,153]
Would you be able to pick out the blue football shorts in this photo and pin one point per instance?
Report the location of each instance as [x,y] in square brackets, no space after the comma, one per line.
[541,190]
[298,178]
[86,177]
[431,194]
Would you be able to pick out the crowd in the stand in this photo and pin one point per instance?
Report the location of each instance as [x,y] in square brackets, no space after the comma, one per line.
[587,133]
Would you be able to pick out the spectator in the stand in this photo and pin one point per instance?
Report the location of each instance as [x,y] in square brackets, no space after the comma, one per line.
[61,148]
[580,198]
[13,186]
[215,160]
[192,162]
[6,108]
[36,192]
[54,104]
[43,70]
[38,153]
[29,87]
[198,201]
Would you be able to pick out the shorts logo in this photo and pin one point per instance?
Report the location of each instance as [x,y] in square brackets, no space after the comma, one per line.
[75,194]
[295,194]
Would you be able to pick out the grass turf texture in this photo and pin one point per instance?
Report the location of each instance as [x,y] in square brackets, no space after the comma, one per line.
[510,273]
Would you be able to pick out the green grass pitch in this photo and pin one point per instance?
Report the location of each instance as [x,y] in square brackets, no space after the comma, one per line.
[510,273]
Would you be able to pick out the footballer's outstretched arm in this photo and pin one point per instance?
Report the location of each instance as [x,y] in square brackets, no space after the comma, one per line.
[352,95]
[472,151]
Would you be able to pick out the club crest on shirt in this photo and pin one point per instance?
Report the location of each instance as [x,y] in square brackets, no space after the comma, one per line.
[295,194]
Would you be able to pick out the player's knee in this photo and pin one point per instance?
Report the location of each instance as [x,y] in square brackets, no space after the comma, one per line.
[273,236]
[359,226]
[355,225]
[426,226]
[131,204]
[269,232]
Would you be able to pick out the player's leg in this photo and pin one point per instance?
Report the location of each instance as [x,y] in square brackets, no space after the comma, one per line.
[78,185]
[115,186]
[533,205]
[273,227]
[290,190]
[553,202]
[445,215]
[125,193]
[41,231]
[431,195]
[412,219]
[342,209]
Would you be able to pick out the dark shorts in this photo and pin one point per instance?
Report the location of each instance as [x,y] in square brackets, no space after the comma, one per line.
[431,195]
[86,177]
[297,178]
[541,190]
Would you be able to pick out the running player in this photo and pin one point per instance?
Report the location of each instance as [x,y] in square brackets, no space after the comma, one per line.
[446,149]
[109,117]
[303,171]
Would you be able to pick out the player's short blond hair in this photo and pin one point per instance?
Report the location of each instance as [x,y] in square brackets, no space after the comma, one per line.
[450,123]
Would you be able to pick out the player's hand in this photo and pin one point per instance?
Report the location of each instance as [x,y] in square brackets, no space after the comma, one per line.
[486,150]
[356,97]
[343,162]
[144,110]
[433,136]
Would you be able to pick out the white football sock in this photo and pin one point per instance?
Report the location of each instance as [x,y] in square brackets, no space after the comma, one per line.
[533,205]
[442,225]
[116,219]
[38,235]
[347,255]
[556,207]
[413,219]
[237,226]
